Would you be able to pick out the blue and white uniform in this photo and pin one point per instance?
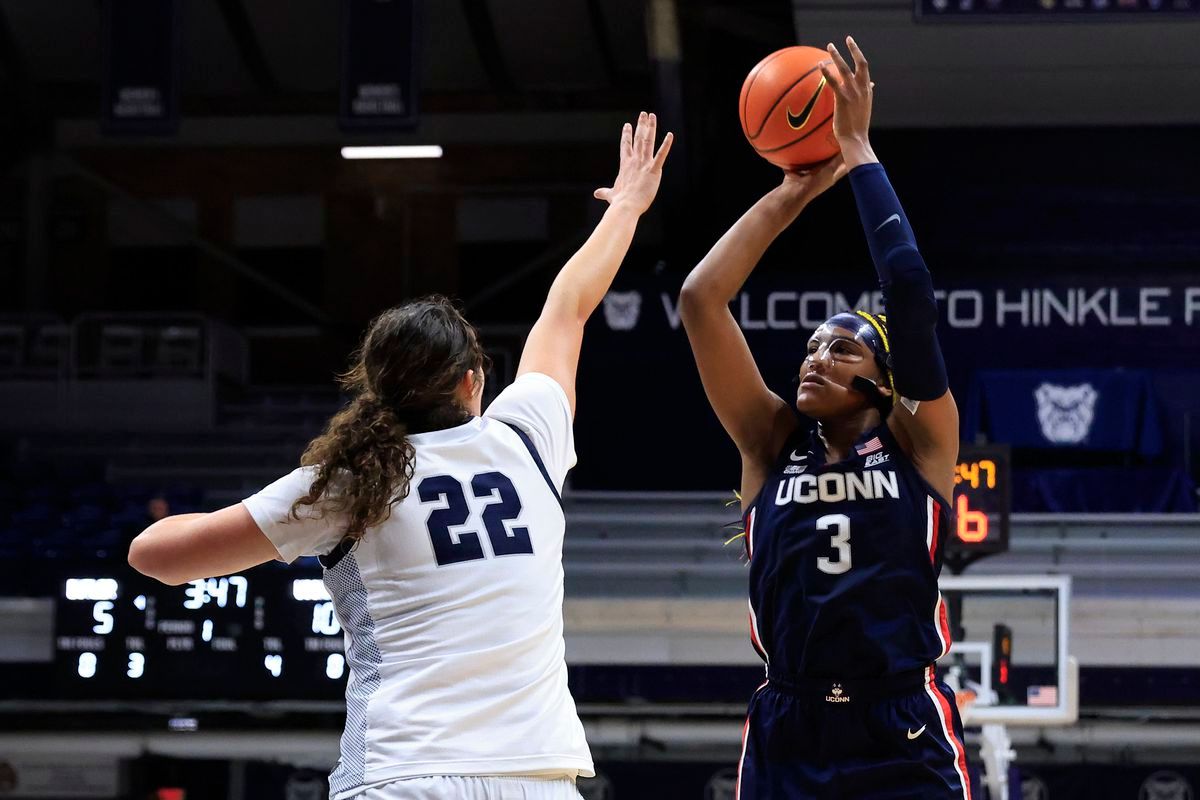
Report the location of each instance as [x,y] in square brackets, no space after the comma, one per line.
[844,562]
[846,613]
[452,607]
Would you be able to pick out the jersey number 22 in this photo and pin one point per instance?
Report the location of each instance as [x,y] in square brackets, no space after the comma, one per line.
[465,546]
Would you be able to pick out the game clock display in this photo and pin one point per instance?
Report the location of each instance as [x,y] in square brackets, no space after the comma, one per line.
[241,637]
[1057,10]
[982,501]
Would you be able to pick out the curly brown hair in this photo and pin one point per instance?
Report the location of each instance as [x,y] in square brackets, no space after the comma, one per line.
[403,380]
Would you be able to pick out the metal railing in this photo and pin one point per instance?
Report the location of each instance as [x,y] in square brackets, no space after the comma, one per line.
[674,543]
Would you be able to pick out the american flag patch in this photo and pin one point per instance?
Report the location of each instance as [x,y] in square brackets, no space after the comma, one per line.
[1042,695]
[869,447]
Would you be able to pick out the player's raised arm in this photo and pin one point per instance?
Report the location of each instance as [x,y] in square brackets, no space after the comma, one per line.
[553,344]
[750,412]
[926,415]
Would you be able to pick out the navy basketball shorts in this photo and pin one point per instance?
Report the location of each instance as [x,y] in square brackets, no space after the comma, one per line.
[883,739]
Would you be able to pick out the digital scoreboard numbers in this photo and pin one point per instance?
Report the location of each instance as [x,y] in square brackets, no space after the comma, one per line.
[1056,10]
[258,636]
[982,503]
[323,642]
[86,644]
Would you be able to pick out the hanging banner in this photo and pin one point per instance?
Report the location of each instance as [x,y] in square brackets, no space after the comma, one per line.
[140,86]
[379,65]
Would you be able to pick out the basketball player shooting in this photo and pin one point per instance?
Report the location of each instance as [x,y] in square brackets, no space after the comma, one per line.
[845,503]
[440,531]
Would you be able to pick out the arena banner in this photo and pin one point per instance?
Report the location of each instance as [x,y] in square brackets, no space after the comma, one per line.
[1080,409]
[379,65]
[638,380]
[141,67]
[993,324]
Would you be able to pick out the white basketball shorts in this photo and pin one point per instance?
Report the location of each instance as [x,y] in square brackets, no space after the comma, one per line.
[468,787]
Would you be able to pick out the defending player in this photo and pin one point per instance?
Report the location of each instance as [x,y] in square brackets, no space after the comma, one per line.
[845,519]
[441,533]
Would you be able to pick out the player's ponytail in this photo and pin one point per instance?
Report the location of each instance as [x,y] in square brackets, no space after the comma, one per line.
[404,380]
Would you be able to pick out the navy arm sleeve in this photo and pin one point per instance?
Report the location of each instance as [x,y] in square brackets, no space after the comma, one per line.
[917,364]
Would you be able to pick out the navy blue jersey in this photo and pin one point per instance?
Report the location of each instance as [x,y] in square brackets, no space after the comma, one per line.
[844,560]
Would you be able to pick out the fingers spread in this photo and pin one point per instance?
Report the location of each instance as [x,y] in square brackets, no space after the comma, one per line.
[861,68]
[843,67]
[832,78]
[639,135]
[663,149]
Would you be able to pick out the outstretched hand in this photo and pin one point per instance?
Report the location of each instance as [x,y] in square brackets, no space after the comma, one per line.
[853,90]
[641,168]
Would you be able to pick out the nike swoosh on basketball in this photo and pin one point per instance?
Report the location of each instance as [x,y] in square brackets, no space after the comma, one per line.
[893,217]
[798,121]
[912,735]
[795,457]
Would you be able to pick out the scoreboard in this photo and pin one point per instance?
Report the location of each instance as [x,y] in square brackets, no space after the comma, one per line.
[1056,10]
[272,633]
[268,634]
[982,503]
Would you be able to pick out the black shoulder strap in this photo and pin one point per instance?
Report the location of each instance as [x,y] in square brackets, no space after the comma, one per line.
[536,459]
[339,551]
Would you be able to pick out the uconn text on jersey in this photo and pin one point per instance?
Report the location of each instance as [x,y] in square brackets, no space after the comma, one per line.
[836,487]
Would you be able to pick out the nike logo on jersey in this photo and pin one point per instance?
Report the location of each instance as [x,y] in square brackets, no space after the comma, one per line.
[875,459]
[912,735]
[798,121]
[834,487]
[892,218]
[796,469]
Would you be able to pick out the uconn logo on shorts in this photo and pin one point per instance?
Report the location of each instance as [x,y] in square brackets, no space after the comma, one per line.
[836,487]
[837,695]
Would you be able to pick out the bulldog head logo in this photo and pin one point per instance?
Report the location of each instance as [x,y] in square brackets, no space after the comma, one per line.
[1065,412]
[621,310]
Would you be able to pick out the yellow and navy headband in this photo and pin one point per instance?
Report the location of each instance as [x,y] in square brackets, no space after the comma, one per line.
[871,329]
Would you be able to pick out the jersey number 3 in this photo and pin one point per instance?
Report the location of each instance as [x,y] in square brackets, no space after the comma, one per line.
[451,548]
[840,541]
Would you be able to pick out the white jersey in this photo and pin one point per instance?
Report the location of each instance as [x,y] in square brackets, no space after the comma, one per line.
[452,607]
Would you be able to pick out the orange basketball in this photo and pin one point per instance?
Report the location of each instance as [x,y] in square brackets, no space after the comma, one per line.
[787,109]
